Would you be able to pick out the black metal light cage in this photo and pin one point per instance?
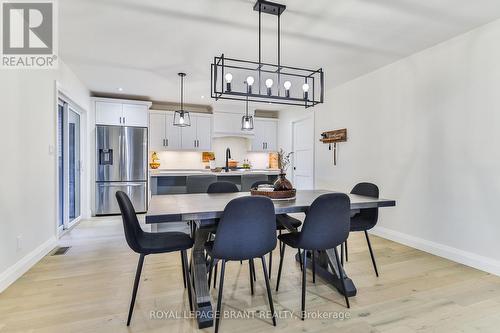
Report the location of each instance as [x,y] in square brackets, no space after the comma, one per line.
[260,71]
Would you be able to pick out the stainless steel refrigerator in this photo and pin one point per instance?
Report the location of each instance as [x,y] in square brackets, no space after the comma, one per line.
[121,165]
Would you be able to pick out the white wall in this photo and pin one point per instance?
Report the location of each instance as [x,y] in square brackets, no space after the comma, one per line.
[28,169]
[426,130]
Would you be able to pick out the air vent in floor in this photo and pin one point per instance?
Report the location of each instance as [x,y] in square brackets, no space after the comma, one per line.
[61,250]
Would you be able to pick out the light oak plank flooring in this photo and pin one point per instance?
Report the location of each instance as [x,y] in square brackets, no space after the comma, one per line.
[88,290]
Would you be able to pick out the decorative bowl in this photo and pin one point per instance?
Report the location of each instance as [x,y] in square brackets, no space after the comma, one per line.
[154,165]
[275,195]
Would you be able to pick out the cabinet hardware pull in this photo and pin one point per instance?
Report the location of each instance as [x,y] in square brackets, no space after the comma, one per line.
[166,140]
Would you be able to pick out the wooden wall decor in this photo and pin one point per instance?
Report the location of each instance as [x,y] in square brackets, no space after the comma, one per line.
[332,138]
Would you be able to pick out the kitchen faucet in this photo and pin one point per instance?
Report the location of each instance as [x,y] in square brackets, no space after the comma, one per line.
[228,156]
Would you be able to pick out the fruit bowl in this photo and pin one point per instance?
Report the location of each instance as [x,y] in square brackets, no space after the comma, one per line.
[154,165]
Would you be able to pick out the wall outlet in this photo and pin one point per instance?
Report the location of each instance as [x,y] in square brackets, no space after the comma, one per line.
[19,242]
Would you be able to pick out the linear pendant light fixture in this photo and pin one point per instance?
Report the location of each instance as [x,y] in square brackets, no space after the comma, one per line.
[181,117]
[265,82]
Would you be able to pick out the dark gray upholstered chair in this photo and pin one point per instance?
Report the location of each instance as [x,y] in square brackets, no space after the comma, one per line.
[247,180]
[199,183]
[246,231]
[326,226]
[365,219]
[146,243]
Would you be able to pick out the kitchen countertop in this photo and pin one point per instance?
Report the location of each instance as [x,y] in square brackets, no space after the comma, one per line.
[172,173]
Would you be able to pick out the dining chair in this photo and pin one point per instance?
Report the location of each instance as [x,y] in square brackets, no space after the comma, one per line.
[283,222]
[145,243]
[364,220]
[326,226]
[199,183]
[246,231]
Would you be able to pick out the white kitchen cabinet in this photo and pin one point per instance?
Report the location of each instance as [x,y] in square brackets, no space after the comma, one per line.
[135,115]
[228,124]
[163,135]
[198,136]
[121,112]
[266,137]
[107,113]
[204,133]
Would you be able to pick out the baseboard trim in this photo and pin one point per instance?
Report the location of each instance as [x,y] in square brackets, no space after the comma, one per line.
[482,263]
[14,272]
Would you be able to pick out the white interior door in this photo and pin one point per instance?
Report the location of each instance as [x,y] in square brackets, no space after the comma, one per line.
[303,153]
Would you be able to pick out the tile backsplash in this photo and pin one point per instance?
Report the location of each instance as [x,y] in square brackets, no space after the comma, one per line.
[193,160]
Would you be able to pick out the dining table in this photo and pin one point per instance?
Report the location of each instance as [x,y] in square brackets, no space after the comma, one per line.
[203,209]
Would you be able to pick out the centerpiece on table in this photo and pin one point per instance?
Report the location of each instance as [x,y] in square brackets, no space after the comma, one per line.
[282,188]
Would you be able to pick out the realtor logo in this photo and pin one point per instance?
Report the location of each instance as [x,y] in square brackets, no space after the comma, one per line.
[28,35]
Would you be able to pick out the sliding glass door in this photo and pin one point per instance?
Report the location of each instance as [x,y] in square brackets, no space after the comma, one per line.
[69,171]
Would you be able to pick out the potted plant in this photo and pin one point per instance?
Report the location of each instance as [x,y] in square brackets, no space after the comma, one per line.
[283,184]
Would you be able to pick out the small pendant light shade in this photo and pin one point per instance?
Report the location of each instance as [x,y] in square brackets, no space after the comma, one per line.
[181,117]
[246,120]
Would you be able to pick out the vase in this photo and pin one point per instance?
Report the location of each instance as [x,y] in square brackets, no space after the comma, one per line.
[282,184]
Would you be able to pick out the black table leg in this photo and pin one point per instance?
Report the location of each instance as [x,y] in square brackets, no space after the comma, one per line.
[326,267]
[202,300]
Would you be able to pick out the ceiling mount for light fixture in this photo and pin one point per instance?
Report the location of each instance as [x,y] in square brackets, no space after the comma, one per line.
[181,116]
[266,82]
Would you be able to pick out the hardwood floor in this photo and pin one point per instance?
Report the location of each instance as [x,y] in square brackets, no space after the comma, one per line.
[88,290]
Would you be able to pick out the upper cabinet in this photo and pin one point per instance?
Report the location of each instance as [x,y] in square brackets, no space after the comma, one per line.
[229,124]
[163,135]
[121,112]
[266,138]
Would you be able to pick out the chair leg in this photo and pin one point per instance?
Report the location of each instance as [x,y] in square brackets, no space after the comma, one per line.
[268,287]
[210,271]
[219,299]
[371,253]
[186,278]
[313,266]
[136,285]
[270,263]
[280,266]
[304,271]
[251,275]
[215,273]
[341,277]
[183,269]
[253,270]
[346,252]
[300,258]
[342,254]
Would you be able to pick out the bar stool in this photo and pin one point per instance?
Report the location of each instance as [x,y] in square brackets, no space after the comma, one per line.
[326,226]
[146,243]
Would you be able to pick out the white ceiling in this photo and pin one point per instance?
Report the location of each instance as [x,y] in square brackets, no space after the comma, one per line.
[140,46]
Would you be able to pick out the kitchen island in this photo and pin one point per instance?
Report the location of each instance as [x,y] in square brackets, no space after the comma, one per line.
[174,181]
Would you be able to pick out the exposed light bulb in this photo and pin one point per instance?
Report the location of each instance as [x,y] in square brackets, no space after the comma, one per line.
[250,80]
[305,87]
[229,77]
[269,83]
[287,85]
[247,124]
[181,119]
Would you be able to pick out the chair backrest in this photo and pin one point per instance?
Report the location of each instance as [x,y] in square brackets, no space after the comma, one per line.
[248,179]
[199,183]
[327,222]
[261,182]
[368,215]
[247,229]
[222,187]
[133,231]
